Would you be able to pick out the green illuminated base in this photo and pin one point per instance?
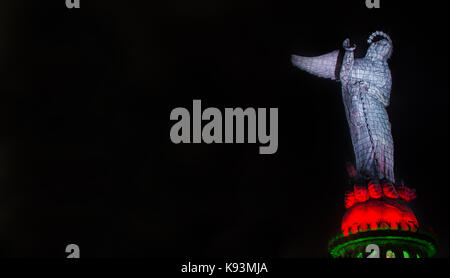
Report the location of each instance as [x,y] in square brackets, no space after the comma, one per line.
[389,244]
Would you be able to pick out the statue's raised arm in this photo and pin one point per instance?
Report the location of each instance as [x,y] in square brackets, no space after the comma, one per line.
[347,62]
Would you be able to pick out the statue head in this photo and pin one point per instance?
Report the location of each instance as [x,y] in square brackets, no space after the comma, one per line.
[380,49]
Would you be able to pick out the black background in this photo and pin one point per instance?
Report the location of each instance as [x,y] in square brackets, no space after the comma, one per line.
[85,98]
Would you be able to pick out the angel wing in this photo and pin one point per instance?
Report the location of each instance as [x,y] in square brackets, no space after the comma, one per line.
[322,66]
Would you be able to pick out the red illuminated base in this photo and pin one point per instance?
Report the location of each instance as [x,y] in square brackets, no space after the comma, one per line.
[378,206]
[379,223]
[377,214]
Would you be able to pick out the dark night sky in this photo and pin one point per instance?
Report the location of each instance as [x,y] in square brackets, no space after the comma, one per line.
[85,98]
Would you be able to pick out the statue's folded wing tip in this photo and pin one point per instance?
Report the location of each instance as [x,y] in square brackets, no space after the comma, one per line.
[297,61]
[294,59]
[322,66]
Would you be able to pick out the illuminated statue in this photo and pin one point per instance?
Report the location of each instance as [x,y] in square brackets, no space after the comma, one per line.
[378,220]
[366,87]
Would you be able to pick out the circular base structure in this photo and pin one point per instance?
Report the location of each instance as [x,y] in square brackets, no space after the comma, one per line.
[383,243]
[379,213]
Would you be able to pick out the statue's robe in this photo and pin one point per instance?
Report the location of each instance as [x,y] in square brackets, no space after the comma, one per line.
[366,96]
[366,86]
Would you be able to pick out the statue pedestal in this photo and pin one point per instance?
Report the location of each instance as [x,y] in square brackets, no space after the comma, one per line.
[379,223]
[383,243]
[374,214]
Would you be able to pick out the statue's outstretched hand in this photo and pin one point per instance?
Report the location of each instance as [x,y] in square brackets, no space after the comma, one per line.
[346,45]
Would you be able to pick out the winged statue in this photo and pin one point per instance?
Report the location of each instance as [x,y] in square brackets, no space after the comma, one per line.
[366,87]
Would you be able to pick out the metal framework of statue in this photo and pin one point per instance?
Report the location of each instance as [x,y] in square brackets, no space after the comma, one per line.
[366,86]
[376,207]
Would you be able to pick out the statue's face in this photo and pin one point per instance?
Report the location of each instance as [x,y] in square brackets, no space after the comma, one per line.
[381,49]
